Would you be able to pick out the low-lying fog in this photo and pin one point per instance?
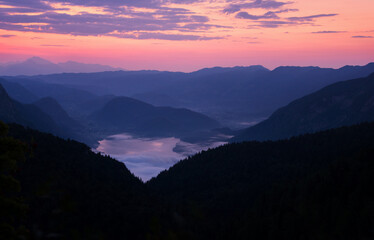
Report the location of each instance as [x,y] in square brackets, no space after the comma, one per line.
[147,157]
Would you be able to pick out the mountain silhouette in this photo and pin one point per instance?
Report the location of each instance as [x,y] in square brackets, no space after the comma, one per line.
[51,107]
[129,115]
[17,92]
[63,183]
[340,104]
[231,95]
[316,185]
[26,114]
[37,66]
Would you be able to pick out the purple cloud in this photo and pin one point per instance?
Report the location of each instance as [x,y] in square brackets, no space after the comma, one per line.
[86,24]
[272,24]
[268,15]
[328,32]
[117,21]
[30,4]
[310,18]
[289,21]
[362,37]
[122,19]
[163,36]
[111,4]
[7,36]
[261,4]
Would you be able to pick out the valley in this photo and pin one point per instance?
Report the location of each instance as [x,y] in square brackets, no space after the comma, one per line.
[186,120]
[147,157]
[205,161]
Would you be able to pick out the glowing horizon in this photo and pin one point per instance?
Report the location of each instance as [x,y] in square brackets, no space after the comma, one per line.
[186,35]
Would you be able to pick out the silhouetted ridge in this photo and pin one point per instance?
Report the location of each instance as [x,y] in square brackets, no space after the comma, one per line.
[316,186]
[7,107]
[308,187]
[231,95]
[37,65]
[51,107]
[18,92]
[25,114]
[130,115]
[341,104]
[72,192]
[218,70]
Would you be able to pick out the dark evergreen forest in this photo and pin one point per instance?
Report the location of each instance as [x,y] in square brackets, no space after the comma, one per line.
[315,186]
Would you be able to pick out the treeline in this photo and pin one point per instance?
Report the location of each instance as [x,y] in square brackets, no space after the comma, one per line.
[316,186]
[73,193]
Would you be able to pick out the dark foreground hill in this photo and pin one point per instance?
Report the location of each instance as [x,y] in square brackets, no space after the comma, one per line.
[317,186]
[73,193]
[340,104]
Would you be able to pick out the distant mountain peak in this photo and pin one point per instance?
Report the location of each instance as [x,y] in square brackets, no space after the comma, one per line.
[38,60]
[214,70]
[289,68]
[40,66]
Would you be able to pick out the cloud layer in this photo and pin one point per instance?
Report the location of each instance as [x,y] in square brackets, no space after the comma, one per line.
[138,19]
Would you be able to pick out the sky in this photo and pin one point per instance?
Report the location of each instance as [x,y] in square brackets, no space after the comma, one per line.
[186,35]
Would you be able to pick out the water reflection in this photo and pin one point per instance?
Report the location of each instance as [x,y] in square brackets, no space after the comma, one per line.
[146,157]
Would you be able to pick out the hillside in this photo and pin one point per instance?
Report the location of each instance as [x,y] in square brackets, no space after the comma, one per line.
[341,104]
[26,114]
[124,114]
[313,186]
[233,96]
[51,107]
[73,193]
[316,186]
[17,92]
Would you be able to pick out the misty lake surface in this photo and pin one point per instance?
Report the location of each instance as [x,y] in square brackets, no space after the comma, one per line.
[147,157]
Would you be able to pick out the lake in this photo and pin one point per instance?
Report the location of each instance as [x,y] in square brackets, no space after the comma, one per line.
[147,157]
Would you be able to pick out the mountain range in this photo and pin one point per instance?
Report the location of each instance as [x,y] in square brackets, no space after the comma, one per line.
[304,184]
[341,104]
[235,96]
[99,116]
[37,66]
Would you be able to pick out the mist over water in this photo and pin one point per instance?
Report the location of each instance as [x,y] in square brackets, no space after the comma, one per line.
[147,157]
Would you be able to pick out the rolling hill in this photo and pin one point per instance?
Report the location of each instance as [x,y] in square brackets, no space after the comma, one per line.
[316,186]
[340,104]
[51,107]
[26,114]
[234,96]
[123,114]
[71,192]
[37,66]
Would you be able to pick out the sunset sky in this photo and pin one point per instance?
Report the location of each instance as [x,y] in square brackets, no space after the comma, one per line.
[185,35]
